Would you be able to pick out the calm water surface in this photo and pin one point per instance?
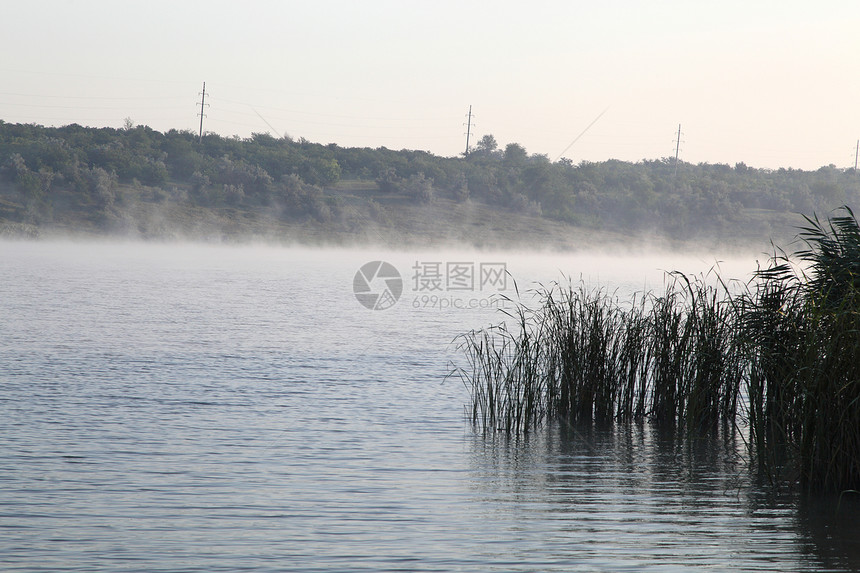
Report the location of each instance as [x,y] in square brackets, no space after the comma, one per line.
[203,408]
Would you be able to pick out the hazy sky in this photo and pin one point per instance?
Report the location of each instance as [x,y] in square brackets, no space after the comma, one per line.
[770,83]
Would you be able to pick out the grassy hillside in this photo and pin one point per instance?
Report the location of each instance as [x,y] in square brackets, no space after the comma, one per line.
[365,215]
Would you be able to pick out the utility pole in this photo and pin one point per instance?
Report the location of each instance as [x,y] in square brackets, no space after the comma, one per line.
[677,149]
[201,114]
[856,154]
[468,130]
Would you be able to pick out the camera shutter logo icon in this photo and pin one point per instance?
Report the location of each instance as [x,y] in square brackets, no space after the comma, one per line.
[377,285]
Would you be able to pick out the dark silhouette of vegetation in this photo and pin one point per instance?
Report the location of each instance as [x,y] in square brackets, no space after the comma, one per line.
[778,360]
[102,176]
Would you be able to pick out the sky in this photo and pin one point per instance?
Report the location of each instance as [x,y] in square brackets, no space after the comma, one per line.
[769,83]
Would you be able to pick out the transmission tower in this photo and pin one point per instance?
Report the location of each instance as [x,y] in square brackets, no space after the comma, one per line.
[856,154]
[201,114]
[468,130]
[677,149]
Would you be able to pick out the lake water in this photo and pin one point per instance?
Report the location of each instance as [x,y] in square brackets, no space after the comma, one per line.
[235,408]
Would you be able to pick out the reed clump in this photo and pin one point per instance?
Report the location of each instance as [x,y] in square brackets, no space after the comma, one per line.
[777,358]
[800,324]
[668,358]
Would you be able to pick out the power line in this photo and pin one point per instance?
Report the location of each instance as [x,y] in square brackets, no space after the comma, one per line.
[581,134]
[388,118]
[119,98]
[267,123]
[85,107]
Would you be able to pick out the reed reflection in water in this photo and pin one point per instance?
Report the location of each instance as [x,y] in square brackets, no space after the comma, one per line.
[635,496]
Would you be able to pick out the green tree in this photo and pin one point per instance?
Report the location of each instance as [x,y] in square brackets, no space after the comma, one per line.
[486,146]
[419,188]
[515,154]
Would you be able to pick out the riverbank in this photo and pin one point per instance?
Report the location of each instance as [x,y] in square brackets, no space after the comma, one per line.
[357,213]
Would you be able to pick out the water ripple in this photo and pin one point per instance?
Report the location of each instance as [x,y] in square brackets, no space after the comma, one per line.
[218,409]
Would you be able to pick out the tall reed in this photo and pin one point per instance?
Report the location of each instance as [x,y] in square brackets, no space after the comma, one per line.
[781,358]
[581,355]
[801,328]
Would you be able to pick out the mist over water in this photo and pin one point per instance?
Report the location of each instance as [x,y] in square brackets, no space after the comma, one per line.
[194,407]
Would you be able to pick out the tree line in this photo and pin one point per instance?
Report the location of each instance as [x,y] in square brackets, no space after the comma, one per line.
[46,171]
